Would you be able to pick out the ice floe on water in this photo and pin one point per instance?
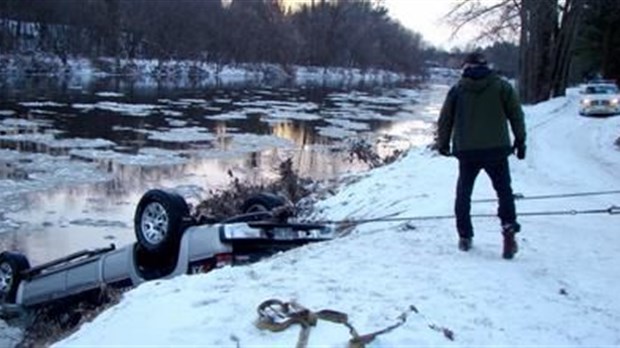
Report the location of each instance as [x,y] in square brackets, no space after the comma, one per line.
[137,110]
[39,172]
[280,105]
[335,132]
[180,135]
[21,124]
[176,123]
[347,124]
[255,142]
[185,103]
[42,112]
[212,108]
[192,101]
[7,112]
[278,115]
[355,114]
[41,104]
[109,94]
[171,113]
[50,141]
[99,223]
[233,115]
[145,157]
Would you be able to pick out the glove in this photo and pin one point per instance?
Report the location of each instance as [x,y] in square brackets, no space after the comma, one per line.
[445,152]
[519,149]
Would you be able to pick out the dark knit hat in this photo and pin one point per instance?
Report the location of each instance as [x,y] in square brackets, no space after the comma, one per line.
[475,58]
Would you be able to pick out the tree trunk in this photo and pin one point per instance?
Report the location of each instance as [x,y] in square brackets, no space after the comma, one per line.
[562,56]
[538,23]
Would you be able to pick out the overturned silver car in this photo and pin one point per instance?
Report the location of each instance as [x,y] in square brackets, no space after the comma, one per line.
[169,242]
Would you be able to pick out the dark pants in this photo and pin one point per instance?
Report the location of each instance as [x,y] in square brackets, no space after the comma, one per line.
[499,172]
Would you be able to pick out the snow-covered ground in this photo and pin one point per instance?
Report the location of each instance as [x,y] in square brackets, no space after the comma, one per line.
[558,291]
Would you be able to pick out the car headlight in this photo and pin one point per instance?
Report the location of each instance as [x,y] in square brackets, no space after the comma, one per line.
[614,101]
[586,102]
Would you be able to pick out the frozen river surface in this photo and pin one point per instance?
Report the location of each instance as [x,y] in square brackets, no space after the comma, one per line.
[74,161]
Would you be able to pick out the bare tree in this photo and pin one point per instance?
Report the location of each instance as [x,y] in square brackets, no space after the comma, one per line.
[547,30]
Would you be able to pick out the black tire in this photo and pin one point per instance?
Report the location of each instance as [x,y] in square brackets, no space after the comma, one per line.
[11,267]
[159,221]
[262,202]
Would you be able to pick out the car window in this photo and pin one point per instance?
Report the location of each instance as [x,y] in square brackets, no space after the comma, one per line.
[601,90]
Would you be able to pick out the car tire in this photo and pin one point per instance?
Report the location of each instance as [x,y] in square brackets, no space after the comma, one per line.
[11,267]
[262,202]
[259,207]
[159,221]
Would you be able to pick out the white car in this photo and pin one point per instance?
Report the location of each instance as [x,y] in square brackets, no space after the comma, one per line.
[600,99]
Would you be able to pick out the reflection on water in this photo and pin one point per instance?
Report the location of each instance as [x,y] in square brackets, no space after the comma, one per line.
[184,138]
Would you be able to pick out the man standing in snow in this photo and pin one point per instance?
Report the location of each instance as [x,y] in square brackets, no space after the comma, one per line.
[475,118]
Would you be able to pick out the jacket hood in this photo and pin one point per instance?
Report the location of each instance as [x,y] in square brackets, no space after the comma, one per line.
[476,79]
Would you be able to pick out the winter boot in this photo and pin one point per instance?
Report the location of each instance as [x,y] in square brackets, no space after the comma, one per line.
[464,244]
[510,244]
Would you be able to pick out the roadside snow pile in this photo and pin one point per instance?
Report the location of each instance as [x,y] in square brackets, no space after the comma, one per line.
[558,291]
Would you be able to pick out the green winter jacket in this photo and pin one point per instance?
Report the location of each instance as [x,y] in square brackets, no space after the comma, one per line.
[475,116]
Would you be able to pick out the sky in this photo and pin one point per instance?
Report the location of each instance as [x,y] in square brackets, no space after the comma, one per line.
[555,293]
[426,18]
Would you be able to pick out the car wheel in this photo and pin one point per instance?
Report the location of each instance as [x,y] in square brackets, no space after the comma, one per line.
[11,266]
[158,221]
[259,207]
[262,202]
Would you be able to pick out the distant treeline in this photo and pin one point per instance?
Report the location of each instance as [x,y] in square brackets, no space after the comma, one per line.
[345,33]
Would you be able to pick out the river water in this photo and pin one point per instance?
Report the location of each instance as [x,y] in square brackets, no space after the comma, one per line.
[75,158]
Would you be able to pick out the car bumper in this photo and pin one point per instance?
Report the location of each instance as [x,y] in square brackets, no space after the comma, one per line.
[599,110]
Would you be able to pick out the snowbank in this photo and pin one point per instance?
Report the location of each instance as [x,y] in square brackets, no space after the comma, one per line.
[79,71]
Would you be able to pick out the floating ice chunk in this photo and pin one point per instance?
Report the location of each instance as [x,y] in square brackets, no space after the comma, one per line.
[145,157]
[171,113]
[45,172]
[292,115]
[176,123]
[41,104]
[347,124]
[98,223]
[42,112]
[254,142]
[138,110]
[109,94]
[335,132]
[49,140]
[193,101]
[181,135]
[81,143]
[234,115]
[21,123]
[7,112]
[280,105]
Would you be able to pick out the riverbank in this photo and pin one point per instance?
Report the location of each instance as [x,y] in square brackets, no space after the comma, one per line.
[557,291]
[183,72]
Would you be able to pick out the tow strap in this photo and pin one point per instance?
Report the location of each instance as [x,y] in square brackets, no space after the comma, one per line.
[275,316]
